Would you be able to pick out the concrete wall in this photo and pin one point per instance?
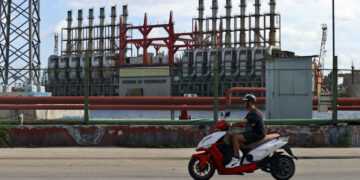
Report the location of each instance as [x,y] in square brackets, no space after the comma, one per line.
[167,136]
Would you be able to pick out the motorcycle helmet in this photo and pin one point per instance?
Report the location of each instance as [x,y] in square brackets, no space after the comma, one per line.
[249,98]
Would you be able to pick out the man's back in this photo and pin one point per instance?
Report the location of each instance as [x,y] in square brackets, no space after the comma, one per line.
[255,124]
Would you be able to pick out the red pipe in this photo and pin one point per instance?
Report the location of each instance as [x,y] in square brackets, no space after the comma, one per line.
[132,100]
[117,107]
[342,108]
[342,101]
[136,107]
[144,103]
[122,100]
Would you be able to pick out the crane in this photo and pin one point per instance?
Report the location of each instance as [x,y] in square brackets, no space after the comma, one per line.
[319,62]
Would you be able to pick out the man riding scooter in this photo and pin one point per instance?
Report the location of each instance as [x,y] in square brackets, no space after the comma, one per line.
[255,130]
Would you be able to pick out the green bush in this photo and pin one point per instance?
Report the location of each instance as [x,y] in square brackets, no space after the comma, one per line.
[4,136]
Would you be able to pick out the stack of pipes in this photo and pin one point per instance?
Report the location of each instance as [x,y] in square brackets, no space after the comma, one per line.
[91,24]
[79,35]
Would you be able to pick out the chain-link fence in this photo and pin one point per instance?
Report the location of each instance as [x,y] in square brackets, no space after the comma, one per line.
[176,92]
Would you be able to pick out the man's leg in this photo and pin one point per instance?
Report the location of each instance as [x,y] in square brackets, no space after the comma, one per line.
[237,140]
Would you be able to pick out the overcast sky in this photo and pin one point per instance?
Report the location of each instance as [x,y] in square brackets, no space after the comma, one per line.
[301,22]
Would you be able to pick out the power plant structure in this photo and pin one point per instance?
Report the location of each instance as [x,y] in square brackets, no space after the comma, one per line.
[242,42]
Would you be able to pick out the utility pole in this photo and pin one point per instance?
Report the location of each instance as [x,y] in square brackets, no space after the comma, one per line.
[335,69]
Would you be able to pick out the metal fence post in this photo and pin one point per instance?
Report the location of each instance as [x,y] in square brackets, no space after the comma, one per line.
[86,87]
[216,86]
[335,90]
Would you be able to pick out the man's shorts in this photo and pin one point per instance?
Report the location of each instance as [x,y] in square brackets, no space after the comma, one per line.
[251,138]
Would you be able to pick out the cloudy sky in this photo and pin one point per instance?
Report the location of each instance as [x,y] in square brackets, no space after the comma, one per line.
[301,22]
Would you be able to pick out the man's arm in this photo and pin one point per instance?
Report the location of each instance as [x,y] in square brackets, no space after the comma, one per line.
[239,123]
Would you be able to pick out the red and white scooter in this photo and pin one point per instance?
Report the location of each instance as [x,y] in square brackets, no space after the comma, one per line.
[262,155]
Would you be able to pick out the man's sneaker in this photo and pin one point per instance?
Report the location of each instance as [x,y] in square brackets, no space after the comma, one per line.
[235,162]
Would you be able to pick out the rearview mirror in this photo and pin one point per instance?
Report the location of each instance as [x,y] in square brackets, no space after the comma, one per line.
[227,114]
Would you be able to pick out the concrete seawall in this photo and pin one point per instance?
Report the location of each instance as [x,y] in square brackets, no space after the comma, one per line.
[167,136]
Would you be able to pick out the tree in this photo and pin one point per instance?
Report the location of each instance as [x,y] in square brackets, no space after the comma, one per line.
[328,81]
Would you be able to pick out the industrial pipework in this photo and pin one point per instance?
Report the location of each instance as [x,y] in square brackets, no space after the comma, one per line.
[254,29]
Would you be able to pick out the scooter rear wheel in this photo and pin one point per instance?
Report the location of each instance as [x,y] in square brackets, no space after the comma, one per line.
[200,173]
[283,168]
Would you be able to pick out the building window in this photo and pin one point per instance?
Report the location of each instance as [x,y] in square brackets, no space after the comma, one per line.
[129,81]
[154,81]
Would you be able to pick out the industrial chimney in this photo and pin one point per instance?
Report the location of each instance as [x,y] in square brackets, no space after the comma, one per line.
[242,23]
[257,23]
[125,15]
[228,23]
[79,34]
[113,21]
[201,22]
[56,45]
[91,24]
[214,19]
[102,29]
[272,33]
[68,43]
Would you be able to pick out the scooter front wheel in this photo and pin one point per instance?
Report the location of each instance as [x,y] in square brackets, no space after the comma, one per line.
[282,168]
[200,173]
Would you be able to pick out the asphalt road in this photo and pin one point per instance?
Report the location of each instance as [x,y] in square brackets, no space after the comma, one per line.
[156,164]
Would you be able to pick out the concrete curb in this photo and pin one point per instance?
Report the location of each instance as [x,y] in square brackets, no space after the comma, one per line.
[328,157]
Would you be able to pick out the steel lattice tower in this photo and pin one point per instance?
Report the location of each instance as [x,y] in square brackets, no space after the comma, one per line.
[19,42]
[323,46]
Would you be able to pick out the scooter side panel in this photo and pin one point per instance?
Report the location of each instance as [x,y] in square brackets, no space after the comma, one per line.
[266,149]
[211,139]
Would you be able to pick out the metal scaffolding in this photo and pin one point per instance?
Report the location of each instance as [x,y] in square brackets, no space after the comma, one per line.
[20,42]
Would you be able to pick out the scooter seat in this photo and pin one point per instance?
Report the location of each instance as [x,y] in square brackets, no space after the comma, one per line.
[266,139]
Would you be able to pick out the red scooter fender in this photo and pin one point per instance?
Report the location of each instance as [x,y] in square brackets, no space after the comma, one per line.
[204,158]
